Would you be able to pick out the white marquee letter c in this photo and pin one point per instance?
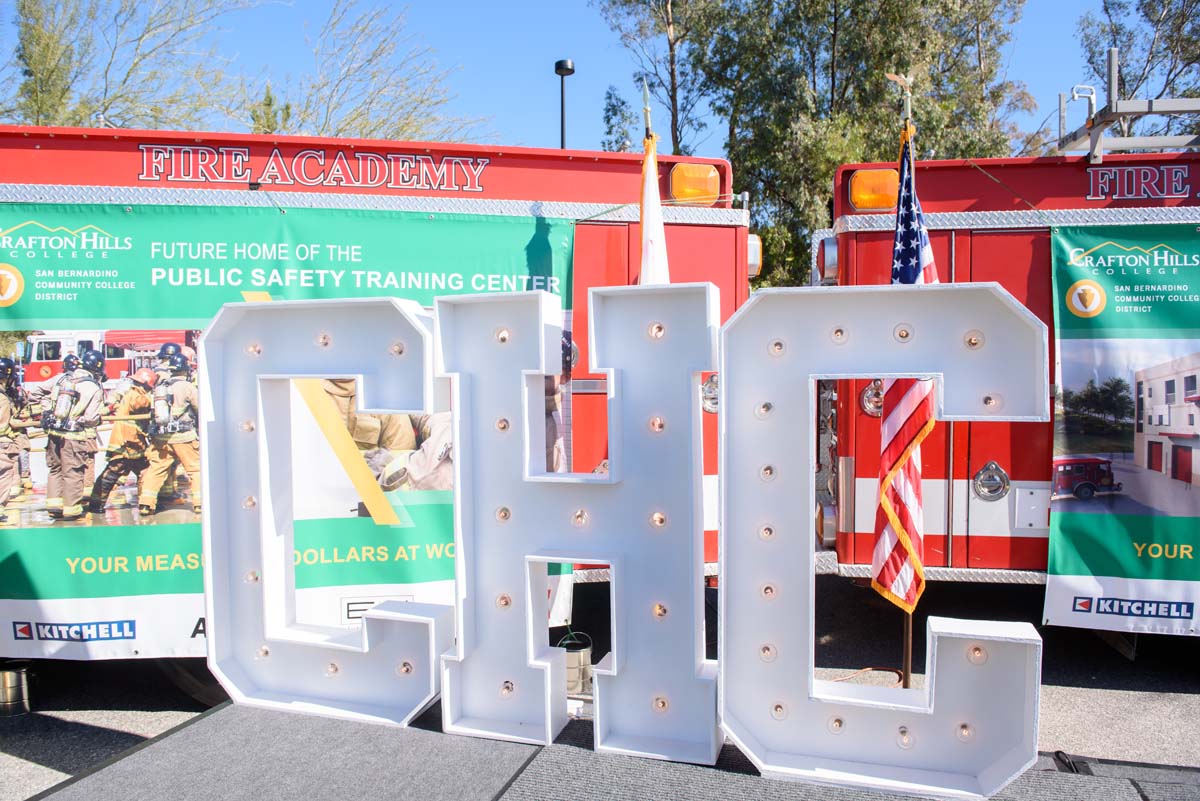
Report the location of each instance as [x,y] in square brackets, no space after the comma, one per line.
[972,729]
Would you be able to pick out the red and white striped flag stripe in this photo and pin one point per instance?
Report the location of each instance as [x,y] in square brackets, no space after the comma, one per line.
[897,569]
[897,563]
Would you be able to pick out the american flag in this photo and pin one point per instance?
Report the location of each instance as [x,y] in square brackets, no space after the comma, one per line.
[897,569]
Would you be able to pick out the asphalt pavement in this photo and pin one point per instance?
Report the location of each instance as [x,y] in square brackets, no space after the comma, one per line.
[1096,703]
[85,713]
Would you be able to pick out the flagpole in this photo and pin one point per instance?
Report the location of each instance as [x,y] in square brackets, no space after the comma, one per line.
[905,83]
[646,105]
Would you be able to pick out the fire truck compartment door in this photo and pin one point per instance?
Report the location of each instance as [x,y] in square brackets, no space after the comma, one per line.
[1010,530]
[872,262]
[601,259]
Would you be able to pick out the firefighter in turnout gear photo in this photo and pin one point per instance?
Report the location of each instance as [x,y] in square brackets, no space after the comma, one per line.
[10,448]
[22,419]
[403,451]
[128,441]
[72,414]
[36,396]
[175,412]
[37,393]
[163,366]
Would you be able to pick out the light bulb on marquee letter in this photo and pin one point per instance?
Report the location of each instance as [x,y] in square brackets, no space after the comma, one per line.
[256,647]
[642,519]
[974,727]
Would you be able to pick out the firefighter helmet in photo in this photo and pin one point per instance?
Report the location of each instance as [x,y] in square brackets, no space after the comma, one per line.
[178,363]
[145,377]
[168,350]
[70,363]
[93,362]
[8,375]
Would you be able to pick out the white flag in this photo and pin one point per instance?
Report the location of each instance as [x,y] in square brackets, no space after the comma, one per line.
[654,240]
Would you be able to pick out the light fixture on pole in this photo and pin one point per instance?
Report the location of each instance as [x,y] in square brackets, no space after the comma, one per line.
[562,68]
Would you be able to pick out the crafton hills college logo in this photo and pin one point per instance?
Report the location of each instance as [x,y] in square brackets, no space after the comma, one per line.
[1086,298]
[12,285]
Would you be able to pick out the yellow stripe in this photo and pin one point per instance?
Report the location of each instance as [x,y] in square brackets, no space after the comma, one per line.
[894,598]
[890,512]
[333,426]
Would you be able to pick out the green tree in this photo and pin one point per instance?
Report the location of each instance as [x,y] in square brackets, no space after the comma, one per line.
[118,62]
[267,116]
[619,123]
[1159,43]
[660,35]
[800,86]
[49,61]
[9,340]
[1116,399]
[1089,399]
[129,63]
[369,80]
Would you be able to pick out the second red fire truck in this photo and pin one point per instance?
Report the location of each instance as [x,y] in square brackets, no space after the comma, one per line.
[987,486]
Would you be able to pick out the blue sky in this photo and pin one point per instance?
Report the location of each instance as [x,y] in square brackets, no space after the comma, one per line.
[504,53]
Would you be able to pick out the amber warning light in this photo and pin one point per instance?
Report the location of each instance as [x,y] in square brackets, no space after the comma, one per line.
[695,184]
[874,190]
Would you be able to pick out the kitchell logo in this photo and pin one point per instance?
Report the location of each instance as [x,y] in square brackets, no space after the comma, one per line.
[1136,607]
[75,632]
[1082,604]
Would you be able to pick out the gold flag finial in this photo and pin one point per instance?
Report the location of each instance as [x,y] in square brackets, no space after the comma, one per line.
[905,83]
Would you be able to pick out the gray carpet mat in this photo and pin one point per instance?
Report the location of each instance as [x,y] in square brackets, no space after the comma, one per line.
[244,753]
[241,753]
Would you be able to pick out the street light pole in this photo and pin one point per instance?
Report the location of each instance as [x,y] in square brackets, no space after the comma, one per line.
[563,68]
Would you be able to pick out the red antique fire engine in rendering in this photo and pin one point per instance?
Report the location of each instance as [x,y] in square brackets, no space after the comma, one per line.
[987,486]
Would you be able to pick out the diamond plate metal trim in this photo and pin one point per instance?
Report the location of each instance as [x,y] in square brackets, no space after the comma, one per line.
[1029,218]
[595,575]
[981,575]
[826,564]
[264,198]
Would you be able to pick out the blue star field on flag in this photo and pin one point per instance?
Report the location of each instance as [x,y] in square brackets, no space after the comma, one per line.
[912,261]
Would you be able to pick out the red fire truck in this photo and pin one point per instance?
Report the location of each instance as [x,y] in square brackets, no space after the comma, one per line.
[707,232]
[125,350]
[201,176]
[1083,477]
[988,220]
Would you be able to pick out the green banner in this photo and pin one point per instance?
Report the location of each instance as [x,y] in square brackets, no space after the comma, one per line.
[167,559]
[1119,545]
[72,274]
[1126,282]
[1125,513]
[354,550]
[64,266]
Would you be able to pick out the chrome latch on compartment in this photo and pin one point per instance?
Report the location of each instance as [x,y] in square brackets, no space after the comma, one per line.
[991,482]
